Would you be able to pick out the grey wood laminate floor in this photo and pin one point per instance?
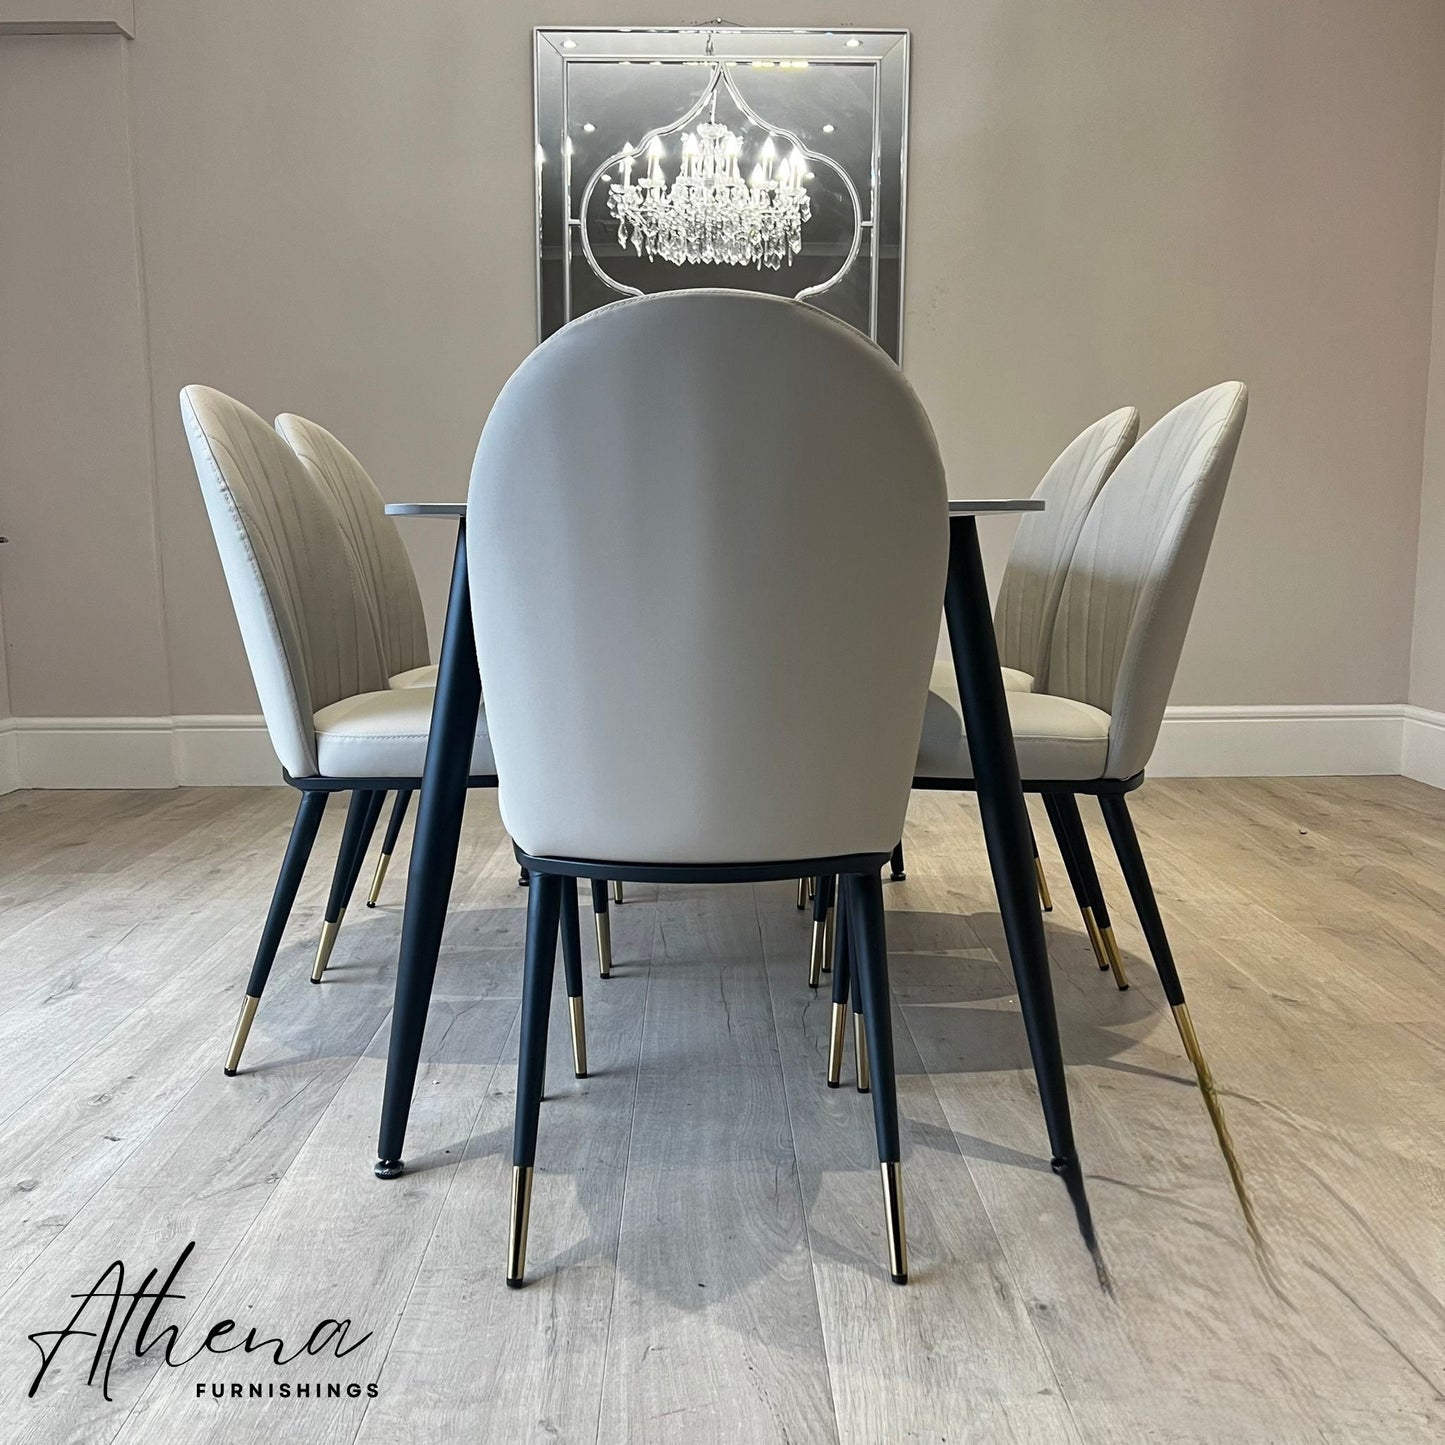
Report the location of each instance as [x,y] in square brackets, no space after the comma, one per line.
[707,1258]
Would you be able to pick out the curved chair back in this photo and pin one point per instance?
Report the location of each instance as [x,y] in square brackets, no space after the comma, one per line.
[385,567]
[707,536]
[1136,569]
[305,618]
[1038,562]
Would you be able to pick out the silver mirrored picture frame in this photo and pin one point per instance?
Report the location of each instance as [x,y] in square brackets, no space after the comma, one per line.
[836,100]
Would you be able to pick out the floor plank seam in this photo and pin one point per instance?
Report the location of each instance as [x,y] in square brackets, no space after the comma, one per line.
[797,1168]
[1003,1252]
[400,1314]
[626,1174]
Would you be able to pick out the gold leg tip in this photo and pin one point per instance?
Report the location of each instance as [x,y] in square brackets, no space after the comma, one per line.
[835,1044]
[521,1215]
[1045,900]
[860,1056]
[1215,1110]
[327,942]
[815,959]
[378,878]
[617,896]
[1096,941]
[579,1038]
[897,1227]
[1116,959]
[604,944]
[238,1038]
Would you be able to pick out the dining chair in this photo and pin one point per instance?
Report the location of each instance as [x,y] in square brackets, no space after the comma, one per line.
[310,629]
[1119,628]
[391,585]
[703,471]
[1033,578]
[390,581]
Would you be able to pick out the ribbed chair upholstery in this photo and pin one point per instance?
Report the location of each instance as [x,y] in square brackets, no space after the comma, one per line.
[1118,632]
[312,636]
[1038,561]
[1043,545]
[381,555]
[752,491]
[390,583]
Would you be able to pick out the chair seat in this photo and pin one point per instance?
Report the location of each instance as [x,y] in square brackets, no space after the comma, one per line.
[1056,738]
[416,677]
[384,735]
[945,680]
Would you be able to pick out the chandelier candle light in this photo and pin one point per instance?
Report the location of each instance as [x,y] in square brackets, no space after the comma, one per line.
[710,213]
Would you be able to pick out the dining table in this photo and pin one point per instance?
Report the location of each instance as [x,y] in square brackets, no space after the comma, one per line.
[1007,834]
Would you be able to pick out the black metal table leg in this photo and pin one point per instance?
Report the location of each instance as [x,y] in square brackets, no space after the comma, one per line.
[433,857]
[1005,821]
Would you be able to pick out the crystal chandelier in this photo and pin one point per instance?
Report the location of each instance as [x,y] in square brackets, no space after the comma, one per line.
[710,213]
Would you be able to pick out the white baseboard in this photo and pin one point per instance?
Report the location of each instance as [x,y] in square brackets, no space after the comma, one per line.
[1422,752]
[140,752]
[1203,742]
[217,750]
[94,752]
[9,757]
[1313,740]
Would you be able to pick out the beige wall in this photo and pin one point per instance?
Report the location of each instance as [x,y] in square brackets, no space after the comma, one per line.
[1111,202]
[1427,655]
[79,582]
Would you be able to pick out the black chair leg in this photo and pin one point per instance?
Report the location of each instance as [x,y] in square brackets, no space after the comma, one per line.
[572,971]
[441,806]
[1131,861]
[603,921]
[822,929]
[293,865]
[870,960]
[524,878]
[1071,867]
[361,818]
[1005,823]
[842,972]
[388,844]
[896,871]
[545,904]
[1079,860]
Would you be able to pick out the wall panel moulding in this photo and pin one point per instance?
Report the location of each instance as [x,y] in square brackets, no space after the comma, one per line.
[67,17]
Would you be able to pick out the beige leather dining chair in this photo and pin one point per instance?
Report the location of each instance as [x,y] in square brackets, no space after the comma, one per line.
[391,588]
[768,728]
[309,626]
[1043,546]
[390,582]
[1028,600]
[1118,632]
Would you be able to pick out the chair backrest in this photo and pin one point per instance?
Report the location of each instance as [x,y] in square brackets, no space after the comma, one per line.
[707,535]
[1038,562]
[360,508]
[305,617]
[1136,569]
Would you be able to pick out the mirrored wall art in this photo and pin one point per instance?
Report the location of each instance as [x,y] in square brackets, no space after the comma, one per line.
[762,160]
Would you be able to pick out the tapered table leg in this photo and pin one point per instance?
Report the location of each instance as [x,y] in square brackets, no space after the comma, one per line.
[1005,821]
[433,857]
